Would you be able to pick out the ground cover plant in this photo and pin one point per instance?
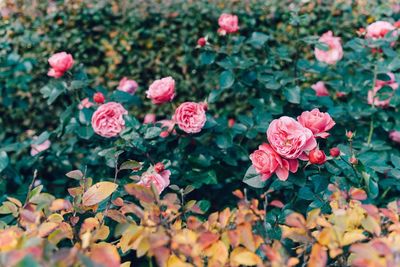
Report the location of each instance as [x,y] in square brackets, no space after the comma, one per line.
[207,133]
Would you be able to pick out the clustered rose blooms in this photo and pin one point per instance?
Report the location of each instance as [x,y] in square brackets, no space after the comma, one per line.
[379,29]
[334,52]
[228,23]
[108,120]
[318,122]
[60,63]
[320,89]
[127,86]
[395,136]
[267,162]
[375,100]
[159,179]
[290,140]
[190,117]
[37,148]
[161,91]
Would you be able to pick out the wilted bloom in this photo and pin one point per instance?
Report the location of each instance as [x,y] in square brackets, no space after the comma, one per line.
[85,103]
[127,86]
[98,98]
[108,120]
[267,162]
[60,63]
[37,148]
[318,122]
[149,118]
[395,136]
[228,23]
[190,117]
[317,156]
[334,52]
[383,99]
[289,138]
[320,89]
[161,91]
[159,180]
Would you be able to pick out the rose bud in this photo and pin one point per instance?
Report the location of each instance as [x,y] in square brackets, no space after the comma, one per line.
[202,42]
[317,156]
[231,122]
[349,134]
[335,152]
[159,167]
[98,98]
[353,160]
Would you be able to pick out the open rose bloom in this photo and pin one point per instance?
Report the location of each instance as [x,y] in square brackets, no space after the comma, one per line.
[159,180]
[318,122]
[267,162]
[334,52]
[60,63]
[190,117]
[378,99]
[228,23]
[108,120]
[161,91]
[320,89]
[379,29]
[127,86]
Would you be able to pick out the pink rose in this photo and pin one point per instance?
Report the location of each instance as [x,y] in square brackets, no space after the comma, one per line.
[85,103]
[161,91]
[60,63]
[149,118]
[289,138]
[160,180]
[190,117]
[318,122]
[395,136]
[108,120]
[379,29]
[36,149]
[127,86]
[334,52]
[267,162]
[168,126]
[375,100]
[228,23]
[320,89]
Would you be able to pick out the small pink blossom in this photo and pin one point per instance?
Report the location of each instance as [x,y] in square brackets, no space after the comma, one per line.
[149,118]
[60,63]
[161,91]
[85,103]
[267,162]
[320,89]
[228,23]
[190,117]
[159,180]
[395,136]
[128,86]
[334,52]
[374,99]
[318,122]
[36,149]
[168,126]
[289,138]
[108,120]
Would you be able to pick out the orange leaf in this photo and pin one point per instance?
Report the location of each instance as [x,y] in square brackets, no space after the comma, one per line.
[98,192]
[140,192]
[242,256]
[318,257]
[106,255]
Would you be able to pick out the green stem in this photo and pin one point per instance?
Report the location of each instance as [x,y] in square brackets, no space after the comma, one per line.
[371,131]
[371,126]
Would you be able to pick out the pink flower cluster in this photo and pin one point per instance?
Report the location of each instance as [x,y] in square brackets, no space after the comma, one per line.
[228,23]
[290,140]
[60,63]
[156,176]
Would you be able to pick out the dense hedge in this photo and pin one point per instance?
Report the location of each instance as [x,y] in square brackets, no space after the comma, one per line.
[272,70]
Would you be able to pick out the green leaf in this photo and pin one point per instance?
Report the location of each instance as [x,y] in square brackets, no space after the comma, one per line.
[226,79]
[322,46]
[253,179]
[3,160]
[130,165]
[207,58]
[395,160]
[258,39]
[293,95]
[27,261]
[152,132]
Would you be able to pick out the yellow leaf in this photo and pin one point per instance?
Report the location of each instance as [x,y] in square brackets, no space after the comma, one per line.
[318,257]
[352,237]
[126,264]
[218,254]
[98,192]
[174,261]
[243,256]
[371,225]
[46,228]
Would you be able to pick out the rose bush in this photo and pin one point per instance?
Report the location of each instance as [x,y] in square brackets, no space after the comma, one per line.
[256,105]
